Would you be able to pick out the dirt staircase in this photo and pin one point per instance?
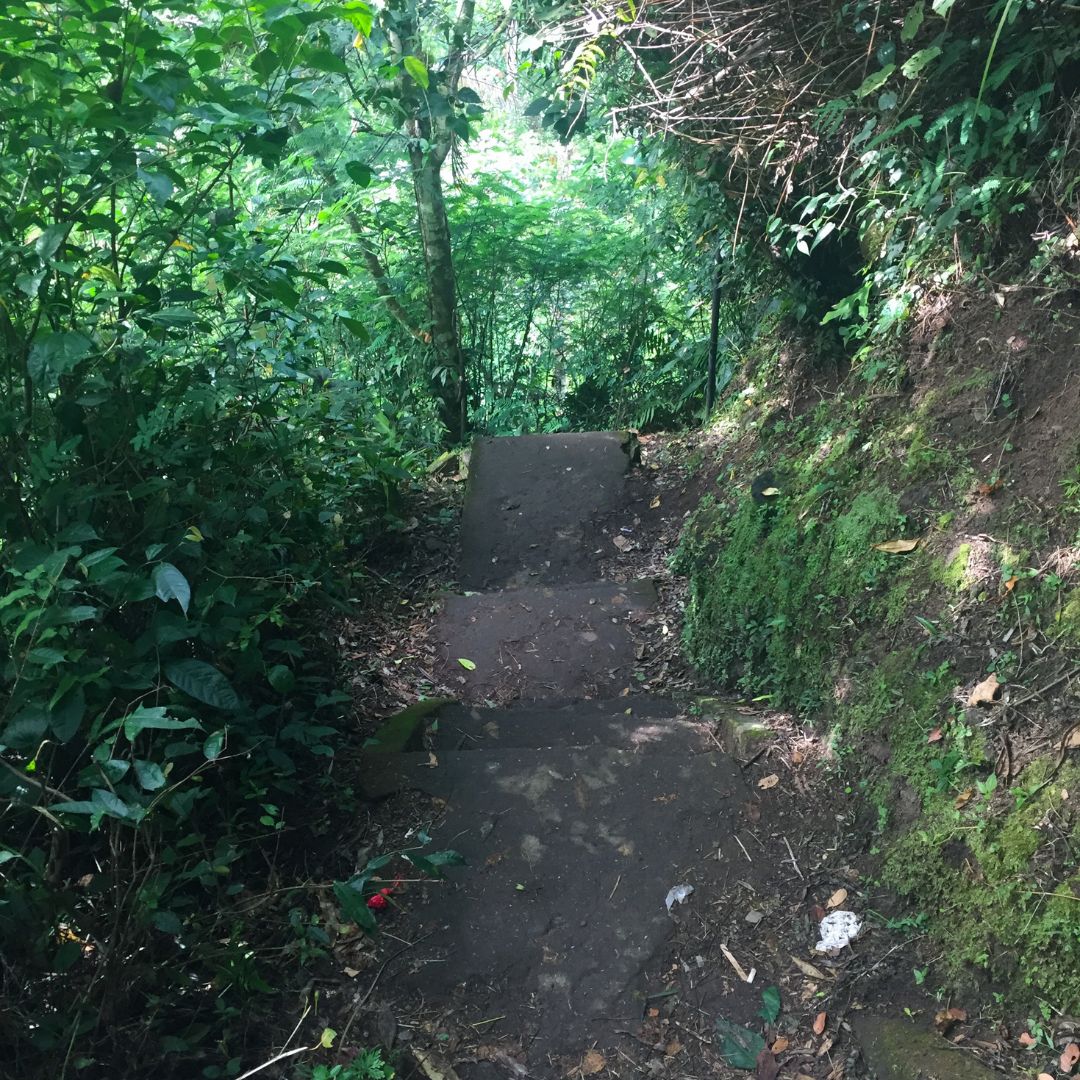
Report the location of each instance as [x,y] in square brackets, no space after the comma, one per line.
[576,803]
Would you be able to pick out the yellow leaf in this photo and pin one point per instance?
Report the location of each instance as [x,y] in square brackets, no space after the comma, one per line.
[183,245]
[987,692]
[771,491]
[358,41]
[1011,583]
[898,547]
[326,1040]
[767,782]
[655,502]
[194,535]
[963,798]
[837,898]
[468,665]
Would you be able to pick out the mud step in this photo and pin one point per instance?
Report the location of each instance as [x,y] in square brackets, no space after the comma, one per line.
[646,724]
[566,641]
[533,504]
[557,924]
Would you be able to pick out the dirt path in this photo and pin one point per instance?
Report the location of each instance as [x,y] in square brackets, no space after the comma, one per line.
[578,803]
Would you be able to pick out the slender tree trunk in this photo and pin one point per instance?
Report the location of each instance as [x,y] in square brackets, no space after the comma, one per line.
[714,341]
[449,375]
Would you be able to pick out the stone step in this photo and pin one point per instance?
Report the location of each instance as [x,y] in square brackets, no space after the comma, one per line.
[569,641]
[643,723]
[534,504]
[557,924]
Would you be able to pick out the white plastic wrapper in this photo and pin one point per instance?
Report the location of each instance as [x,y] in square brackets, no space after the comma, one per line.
[677,895]
[837,929]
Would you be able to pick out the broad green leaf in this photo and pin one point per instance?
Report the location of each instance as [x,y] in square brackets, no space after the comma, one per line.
[739,1046]
[215,743]
[153,718]
[417,70]
[875,81]
[326,1039]
[915,63]
[912,21]
[26,731]
[266,63]
[942,7]
[432,864]
[540,105]
[170,584]
[53,355]
[281,678]
[468,665]
[358,173]
[158,184]
[354,907]
[203,682]
[770,1004]
[149,775]
[324,60]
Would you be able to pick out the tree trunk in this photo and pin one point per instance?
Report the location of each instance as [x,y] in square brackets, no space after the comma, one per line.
[714,341]
[448,374]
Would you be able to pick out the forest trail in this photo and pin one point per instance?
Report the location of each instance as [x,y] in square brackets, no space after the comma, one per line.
[578,804]
[578,807]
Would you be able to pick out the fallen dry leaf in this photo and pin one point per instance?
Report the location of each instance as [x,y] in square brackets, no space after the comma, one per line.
[898,547]
[946,1019]
[655,502]
[935,736]
[808,969]
[796,757]
[988,489]
[819,1023]
[1027,1039]
[654,1013]
[1011,583]
[780,1045]
[986,692]
[1072,739]
[620,542]
[674,1047]
[767,1066]
[1069,1057]
[593,1062]
[769,781]
[837,899]
[963,798]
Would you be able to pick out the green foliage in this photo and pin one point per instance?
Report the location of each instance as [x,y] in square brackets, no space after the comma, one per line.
[185,484]
[367,1065]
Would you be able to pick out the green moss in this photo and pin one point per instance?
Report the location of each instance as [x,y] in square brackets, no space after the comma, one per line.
[771,586]
[954,573]
[974,873]
[1068,618]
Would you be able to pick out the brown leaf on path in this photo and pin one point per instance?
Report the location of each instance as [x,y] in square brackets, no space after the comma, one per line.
[769,781]
[1072,739]
[1069,1057]
[780,1045]
[898,547]
[963,798]
[592,1063]
[674,1047]
[819,1022]
[620,542]
[808,969]
[1011,583]
[767,1066]
[655,502]
[1026,1039]
[986,692]
[935,736]
[946,1019]
[836,899]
